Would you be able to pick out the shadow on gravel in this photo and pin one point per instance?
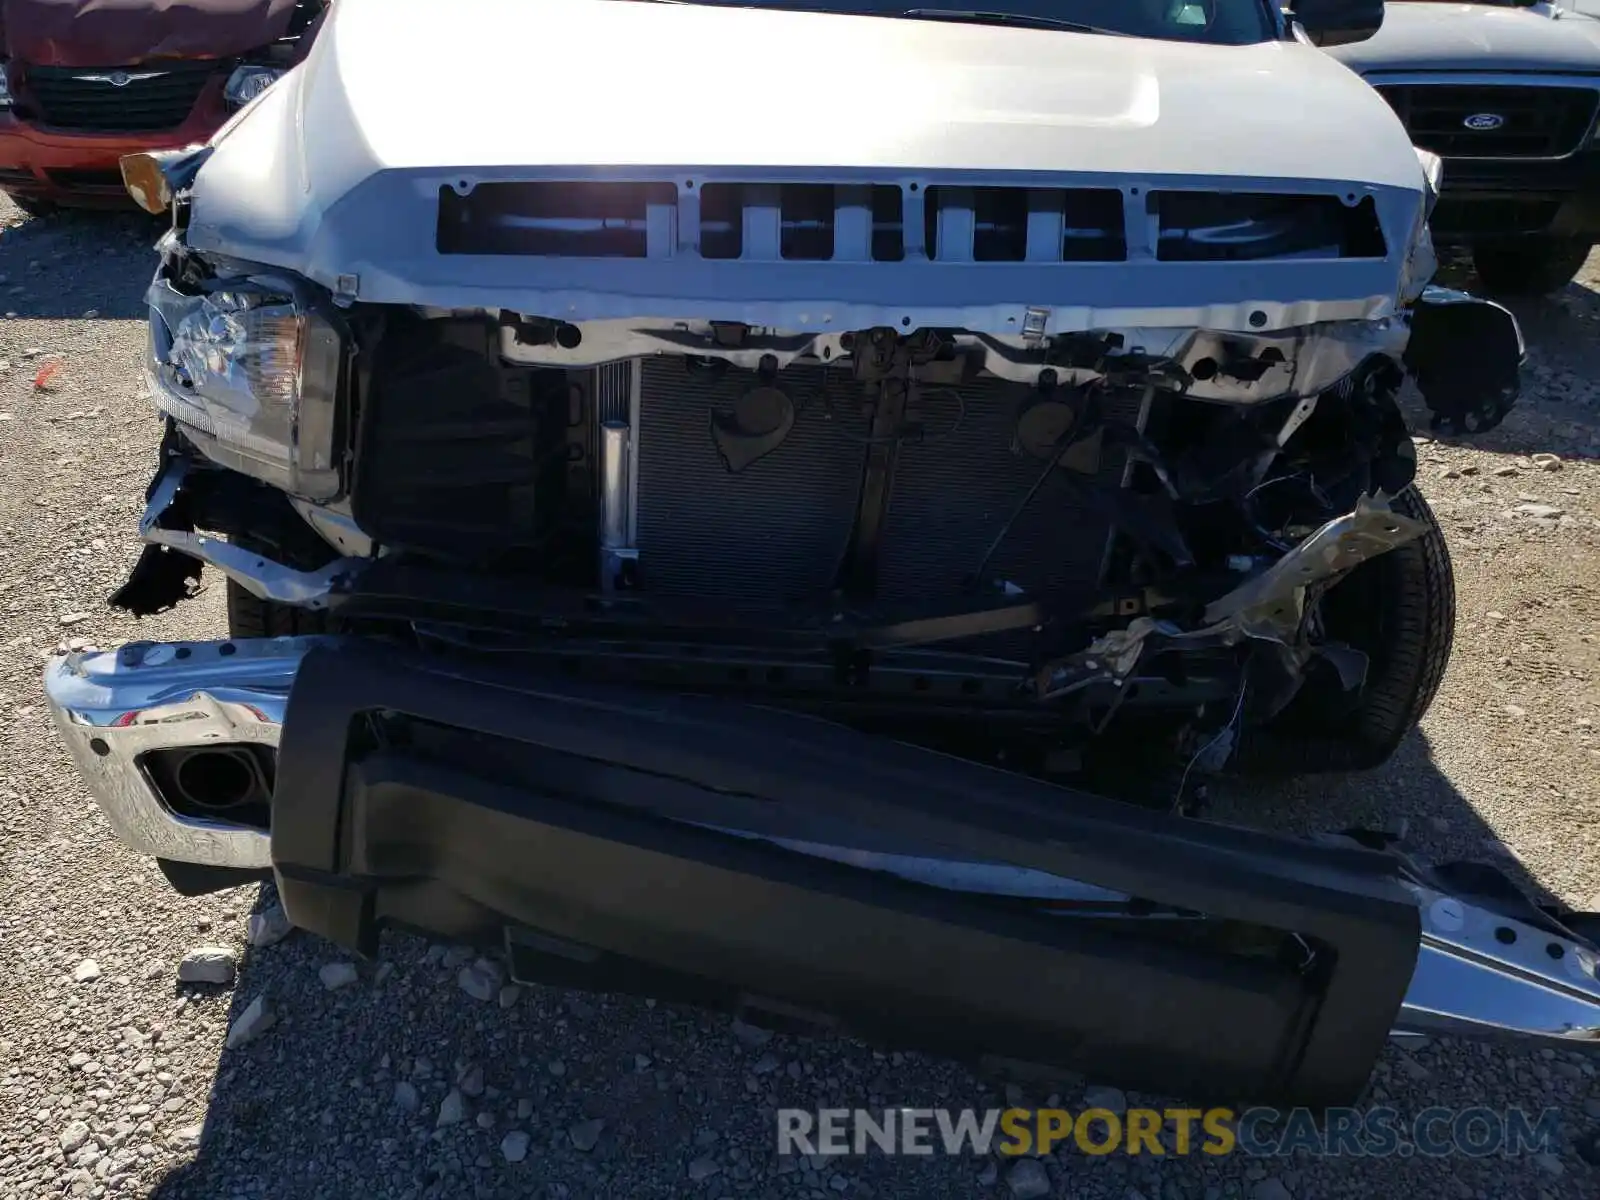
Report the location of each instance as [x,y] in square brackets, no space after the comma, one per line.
[622,1097]
[78,264]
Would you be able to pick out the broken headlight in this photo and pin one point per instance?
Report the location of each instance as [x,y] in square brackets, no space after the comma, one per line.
[249,81]
[252,374]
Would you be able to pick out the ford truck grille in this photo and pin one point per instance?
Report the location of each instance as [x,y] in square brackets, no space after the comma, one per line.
[155,95]
[1494,120]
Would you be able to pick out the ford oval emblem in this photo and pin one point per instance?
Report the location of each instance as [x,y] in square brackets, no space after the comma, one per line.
[1484,122]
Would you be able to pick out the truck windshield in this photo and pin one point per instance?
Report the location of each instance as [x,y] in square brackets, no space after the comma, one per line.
[1219,22]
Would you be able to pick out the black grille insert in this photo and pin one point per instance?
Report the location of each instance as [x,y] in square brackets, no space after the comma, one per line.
[1494,120]
[154,96]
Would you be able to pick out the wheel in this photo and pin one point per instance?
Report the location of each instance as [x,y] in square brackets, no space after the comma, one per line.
[1399,609]
[1534,266]
[249,616]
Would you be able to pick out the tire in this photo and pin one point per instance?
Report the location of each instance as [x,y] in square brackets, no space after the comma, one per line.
[1534,266]
[1400,610]
[249,616]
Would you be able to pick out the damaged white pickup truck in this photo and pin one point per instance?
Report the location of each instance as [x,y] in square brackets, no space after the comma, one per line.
[704,491]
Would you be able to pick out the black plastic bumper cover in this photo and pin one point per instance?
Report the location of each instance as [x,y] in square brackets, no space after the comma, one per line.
[567,816]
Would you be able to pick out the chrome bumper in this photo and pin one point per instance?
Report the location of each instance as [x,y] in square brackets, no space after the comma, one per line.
[114,707]
[1477,973]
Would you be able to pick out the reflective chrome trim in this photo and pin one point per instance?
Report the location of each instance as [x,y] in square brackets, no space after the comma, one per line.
[114,707]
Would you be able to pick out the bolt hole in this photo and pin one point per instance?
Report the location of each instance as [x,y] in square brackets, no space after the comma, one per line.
[226,649]
[1555,950]
[1505,935]
[98,745]
[905,320]
[913,187]
[688,185]
[182,652]
[1258,319]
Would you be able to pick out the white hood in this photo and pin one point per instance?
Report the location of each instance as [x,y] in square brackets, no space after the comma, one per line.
[481,83]
[337,170]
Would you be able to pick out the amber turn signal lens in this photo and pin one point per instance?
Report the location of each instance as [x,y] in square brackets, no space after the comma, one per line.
[146,182]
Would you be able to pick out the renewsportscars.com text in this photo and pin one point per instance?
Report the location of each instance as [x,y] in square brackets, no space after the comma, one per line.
[1260,1132]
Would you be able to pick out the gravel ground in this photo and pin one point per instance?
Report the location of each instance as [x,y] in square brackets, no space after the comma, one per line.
[387,1079]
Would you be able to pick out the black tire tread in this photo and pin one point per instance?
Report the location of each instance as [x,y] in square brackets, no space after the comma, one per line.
[1420,584]
[1530,266]
[249,616]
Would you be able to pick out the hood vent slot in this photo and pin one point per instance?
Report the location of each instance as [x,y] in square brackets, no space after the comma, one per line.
[945,224]
[1254,226]
[558,220]
[997,224]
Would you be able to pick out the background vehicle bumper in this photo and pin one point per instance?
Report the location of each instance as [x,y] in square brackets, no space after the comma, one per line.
[1485,201]
[81,167]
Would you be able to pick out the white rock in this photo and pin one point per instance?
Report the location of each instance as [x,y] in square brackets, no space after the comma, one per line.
[336,975]
[514,1146]
[452,1110]
[585,1135]
[486,1120]
[1028,1180]
[255,1020]
[73,1136]
[1547,462]
[267,927]
[207,964]
[74,618]
[1108,1098]
[405,1097]
[1543,512]
[86,970]
[480,985]
[751,1035]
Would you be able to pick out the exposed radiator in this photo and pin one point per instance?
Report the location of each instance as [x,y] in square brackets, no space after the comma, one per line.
[776,532]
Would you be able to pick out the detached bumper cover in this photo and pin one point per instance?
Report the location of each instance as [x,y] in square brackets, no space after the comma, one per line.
[775,863]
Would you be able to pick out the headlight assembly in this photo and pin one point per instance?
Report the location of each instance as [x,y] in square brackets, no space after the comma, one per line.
[253,374]
[248,82]
[5,87]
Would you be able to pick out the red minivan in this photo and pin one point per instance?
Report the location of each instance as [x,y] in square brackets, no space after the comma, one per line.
[83,82]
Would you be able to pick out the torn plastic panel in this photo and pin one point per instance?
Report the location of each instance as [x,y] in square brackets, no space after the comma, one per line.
[169,568]
[1466,355]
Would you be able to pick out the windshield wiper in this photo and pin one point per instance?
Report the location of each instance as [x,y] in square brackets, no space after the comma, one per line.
[1022,20]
